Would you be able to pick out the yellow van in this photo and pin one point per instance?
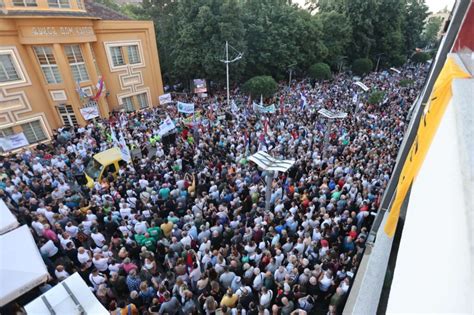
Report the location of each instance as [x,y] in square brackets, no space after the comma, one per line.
[102,165]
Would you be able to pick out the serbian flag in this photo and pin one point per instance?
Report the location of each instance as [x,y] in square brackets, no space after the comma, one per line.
[100,88]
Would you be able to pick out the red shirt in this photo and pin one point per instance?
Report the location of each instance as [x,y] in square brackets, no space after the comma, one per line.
[50,235]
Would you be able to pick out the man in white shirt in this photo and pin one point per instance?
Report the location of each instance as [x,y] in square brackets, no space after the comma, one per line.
[96,279]
[141,226]
[49,249]
[72,229]
[98,238]
[143,182]
[38,227]
[100,262]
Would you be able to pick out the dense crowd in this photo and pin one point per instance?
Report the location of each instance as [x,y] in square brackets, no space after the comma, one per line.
[183,228]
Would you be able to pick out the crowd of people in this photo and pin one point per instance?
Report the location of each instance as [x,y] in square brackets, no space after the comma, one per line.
[183,228]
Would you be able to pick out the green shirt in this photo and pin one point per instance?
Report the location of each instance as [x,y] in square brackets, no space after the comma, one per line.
[155,232]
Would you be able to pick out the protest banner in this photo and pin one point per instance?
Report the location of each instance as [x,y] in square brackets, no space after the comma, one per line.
[187,108]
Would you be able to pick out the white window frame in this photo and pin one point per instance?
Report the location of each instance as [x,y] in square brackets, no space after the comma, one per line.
[80,4]
[66,112]
[113,65]
[50,67]
[135,54]
[142,97]
[5,132]
[128,106]
[59,4]
[78,65]
[24,3]
[4,70]
[118,60]
[37,137]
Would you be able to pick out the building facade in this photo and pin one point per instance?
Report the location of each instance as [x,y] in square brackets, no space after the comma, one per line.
[64,61]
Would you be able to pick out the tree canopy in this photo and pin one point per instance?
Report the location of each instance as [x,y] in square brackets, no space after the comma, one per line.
[362,66]
[263,85]
[276,34]
[320,71]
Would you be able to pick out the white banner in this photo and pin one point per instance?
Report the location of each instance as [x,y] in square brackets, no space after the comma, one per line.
[165,98]
[362,86]
[271,109]
[90,112]
[395,70]
[187,108]
[13,142]
[166,126]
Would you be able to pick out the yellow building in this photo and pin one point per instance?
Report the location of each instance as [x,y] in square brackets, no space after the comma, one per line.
[50,48]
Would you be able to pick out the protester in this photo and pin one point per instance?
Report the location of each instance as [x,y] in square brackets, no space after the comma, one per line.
[183,227]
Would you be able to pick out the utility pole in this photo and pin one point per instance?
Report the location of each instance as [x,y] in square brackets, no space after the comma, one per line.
[227,61]
[290,68]
[378,61]
[227,70]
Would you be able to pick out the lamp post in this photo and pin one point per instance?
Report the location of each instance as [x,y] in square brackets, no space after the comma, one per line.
[341,62]
[270,165]
[378,60]
[227,61]
[290,70]
[330,116]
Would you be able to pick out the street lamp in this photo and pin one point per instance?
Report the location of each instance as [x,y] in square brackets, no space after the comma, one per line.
[378,60]
[330,116]
[227,61]
[270,164]
[290,69]
[340,62]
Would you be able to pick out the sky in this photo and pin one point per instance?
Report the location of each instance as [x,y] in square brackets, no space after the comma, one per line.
[437,5]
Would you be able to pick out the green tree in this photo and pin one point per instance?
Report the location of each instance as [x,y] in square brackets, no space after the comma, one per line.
[361,16]
[420,57]
[260,85]
[279,35]
[320,71]
[362,66]
[376,97]
[336,35]
[413,16]
[429,37]
[387,32]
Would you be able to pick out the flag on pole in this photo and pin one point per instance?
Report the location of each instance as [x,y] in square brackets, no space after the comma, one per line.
[261,100]
[100,88]
[126,156]
[80,91]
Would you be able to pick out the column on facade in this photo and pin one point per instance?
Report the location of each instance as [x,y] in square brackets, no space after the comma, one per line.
[69,84]
[94,76]
[56,119]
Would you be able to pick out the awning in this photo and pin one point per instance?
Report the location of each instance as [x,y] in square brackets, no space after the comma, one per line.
[71,296]
[21,265]
[7,220]
[269,163]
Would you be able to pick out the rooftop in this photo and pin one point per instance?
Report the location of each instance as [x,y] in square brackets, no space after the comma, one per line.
[94,10]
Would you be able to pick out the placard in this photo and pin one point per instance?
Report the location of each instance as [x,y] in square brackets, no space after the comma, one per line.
[13,142]
[187,108]
[165,98]
[90,112]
